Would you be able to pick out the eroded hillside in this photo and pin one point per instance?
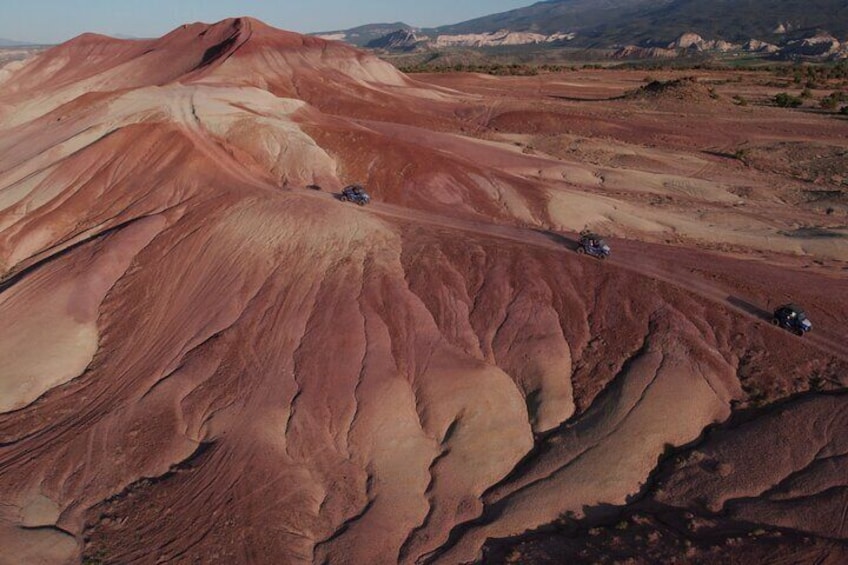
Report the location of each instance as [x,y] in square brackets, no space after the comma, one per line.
[206,360]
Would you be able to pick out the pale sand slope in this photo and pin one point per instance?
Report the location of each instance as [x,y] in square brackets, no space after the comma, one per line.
[56,334]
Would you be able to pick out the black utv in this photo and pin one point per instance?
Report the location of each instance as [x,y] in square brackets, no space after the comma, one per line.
[356,194]
[593,244]
[792,318]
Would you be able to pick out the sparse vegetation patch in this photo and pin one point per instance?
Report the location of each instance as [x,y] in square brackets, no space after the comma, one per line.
[786,100]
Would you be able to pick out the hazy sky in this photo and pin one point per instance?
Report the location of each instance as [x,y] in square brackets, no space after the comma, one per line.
[53,21]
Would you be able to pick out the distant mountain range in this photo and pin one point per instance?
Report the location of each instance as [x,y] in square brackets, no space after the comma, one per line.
[11,43]
[625,23]
[555,16]
[363,35]
[611,21]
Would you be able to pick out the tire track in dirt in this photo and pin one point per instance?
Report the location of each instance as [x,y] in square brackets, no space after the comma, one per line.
[823,339]
[631,260]
[187,117]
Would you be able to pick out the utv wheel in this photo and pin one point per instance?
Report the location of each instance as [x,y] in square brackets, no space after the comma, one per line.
[775,321]
[602,256]
[799,333]
[361,203]
[343,198]
[581,251]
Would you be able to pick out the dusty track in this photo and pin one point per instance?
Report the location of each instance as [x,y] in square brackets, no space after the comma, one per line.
[630,255]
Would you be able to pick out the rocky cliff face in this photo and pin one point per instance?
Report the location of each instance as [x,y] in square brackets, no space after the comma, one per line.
[499,38]
[400,40]
[721,25]
[821,46]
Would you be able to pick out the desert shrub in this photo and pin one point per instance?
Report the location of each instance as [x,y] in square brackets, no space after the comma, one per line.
[844,110]
[828,103]
[740,100]
[813,75]
[786,100]
[496,69]
[742,154]
[806,93]
[832,100]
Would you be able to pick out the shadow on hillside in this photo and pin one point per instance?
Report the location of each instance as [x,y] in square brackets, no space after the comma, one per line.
[722,154]
[750,308]
[558,238]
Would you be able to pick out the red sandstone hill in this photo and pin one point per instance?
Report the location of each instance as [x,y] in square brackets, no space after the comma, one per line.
[241,51]
[203,360]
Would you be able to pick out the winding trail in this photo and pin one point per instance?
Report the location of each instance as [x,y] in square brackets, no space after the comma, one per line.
[628,254]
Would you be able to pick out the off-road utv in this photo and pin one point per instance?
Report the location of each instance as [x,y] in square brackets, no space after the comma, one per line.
[792,318]
[593,244]
[356,194]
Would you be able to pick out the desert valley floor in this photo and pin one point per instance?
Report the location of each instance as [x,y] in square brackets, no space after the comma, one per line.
[207,357]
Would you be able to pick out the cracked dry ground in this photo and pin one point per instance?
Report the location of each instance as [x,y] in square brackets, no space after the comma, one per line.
[209,363]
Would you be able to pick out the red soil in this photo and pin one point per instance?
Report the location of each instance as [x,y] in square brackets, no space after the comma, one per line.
[211,362]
